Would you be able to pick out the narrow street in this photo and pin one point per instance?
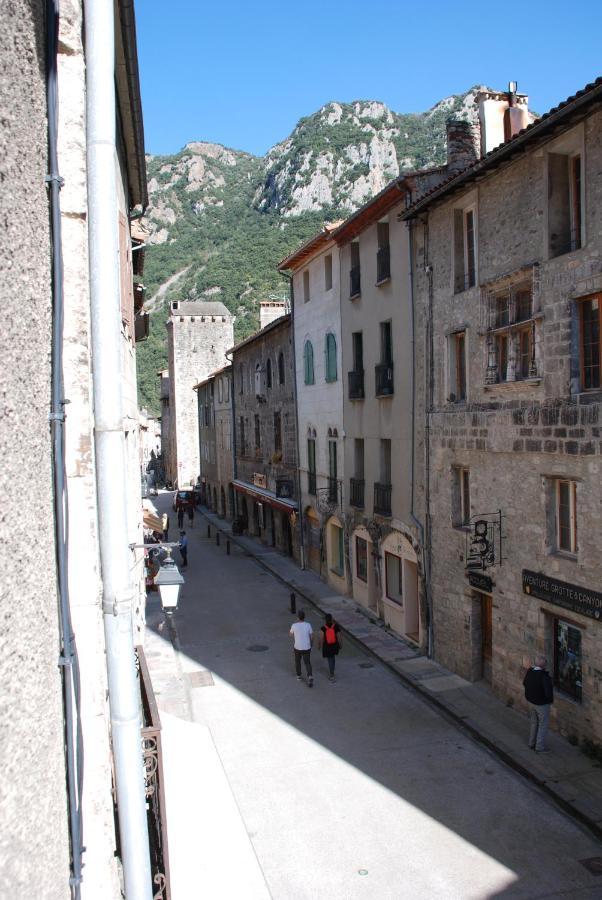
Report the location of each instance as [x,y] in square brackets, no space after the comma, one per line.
[356,789]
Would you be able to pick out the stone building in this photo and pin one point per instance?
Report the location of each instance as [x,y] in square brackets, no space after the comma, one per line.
[507,265]
[215,442]
[316,318]
[36,846]
[198,334]
[165,419]
[265,436]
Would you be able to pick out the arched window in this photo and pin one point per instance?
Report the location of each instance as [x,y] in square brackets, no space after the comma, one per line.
[331,357]
[281,368]
[308,363]
[268,372]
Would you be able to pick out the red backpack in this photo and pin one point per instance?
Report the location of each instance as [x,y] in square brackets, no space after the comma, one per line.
[330,634]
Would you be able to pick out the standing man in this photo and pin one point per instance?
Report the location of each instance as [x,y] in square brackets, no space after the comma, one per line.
[180,516]
[303,637]
[165,526]
[539,694]
[183,548]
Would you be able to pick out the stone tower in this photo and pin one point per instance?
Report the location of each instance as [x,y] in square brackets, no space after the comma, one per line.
[199,333]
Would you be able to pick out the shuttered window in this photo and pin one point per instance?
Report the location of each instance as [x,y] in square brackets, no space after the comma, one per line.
[331,357]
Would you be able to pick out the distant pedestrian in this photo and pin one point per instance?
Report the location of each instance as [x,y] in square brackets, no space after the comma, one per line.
[303,637]
[180,516]
[183,548]
[165,524]
[190,515]
[539,694]
[329,642]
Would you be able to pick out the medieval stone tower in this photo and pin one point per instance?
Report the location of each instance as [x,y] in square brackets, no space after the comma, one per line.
[199,333]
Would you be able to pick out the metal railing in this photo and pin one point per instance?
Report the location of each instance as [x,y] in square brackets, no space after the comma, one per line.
[382,499]
[333,490]
[153,781]
[384,379]
[356,384]
[383,264]
[355,284]
[356,492]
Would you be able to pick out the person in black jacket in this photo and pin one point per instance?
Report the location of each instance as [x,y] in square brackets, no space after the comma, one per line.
[539,694]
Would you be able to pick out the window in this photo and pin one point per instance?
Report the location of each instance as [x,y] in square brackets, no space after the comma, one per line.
[566,516]
[257,433]
[358,457]
[308,363]
[268,372]
[354,271]
[281,368]
[460,497]
[220,390]
[356,376]
[306,286]
[511,335]
[277,433]
[311,466]
[564,203]
[393,576]
[383,372]
[383,255]
[524,349]
[243,446]
[457,366]
[590,346]
[361,558]
[337,544]
[328,272]
[567,658]
[241,375]
[330,352]
[333,490]
[386,345]
[465,254]
[226,390]
[259,381]
[356,484]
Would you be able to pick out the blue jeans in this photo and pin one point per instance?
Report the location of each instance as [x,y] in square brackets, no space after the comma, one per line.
[539,725]
[331,661]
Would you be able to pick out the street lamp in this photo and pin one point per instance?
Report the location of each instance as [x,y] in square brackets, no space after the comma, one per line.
[168,580]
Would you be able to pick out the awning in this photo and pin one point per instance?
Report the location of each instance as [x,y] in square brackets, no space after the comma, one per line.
[151,521]
[264,496]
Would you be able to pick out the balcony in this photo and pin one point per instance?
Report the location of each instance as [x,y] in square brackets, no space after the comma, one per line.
[356,492]
[383,264]
[382,499]
[354,278]
[356,384]
[311,483]
[384,379]
[333,490]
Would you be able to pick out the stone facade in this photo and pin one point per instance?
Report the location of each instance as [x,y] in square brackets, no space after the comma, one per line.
[511,418]
[199,333]
[165,423]
[215,442]
[265,450]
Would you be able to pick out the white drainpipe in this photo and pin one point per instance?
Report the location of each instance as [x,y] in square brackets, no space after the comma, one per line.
[118,588]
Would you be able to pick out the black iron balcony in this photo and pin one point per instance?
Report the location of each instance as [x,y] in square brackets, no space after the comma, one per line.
[311,483]
[356,384]
[333,490]
[384,379]
[354,278]
[383,264]
[382,499]
[356,492]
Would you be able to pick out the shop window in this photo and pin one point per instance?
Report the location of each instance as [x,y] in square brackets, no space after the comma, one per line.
[567,658]
[361,559]
[590,342]
[393,577]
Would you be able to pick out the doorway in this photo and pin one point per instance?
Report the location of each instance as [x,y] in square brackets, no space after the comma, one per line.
[485,639]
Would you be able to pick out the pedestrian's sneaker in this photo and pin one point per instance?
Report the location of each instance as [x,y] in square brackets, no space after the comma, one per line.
[331,677]
[299,678]
[310,682]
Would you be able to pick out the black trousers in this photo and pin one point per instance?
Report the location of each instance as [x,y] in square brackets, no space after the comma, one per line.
[304,655]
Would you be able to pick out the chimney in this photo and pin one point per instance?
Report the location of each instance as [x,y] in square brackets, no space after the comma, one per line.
[502,114]
[270,310]
[463,145]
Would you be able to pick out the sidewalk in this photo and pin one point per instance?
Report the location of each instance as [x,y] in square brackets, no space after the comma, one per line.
[566,775]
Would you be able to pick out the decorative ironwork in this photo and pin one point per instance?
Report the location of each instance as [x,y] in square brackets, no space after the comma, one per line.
[151,764]
[161,882]
[382,499]
[484,541]
[327,499]
[384,379]
[356,492]
[356,384]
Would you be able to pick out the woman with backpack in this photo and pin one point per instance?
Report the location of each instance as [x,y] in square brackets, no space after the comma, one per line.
[330,642]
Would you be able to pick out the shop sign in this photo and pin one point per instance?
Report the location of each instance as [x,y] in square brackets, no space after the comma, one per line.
[259,480]
[561,593]
[484,541]
[284,488]
[482,582]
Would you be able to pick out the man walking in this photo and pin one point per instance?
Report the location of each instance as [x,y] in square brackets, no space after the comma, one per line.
[183,548]
[302,641]
[539,694]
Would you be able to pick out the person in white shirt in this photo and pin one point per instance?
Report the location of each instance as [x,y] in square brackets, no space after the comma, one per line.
[303,637]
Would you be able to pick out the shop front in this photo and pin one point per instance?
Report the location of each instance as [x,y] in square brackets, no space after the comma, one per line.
[270,517]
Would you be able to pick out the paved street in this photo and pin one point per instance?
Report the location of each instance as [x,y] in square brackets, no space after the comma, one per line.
[358,788]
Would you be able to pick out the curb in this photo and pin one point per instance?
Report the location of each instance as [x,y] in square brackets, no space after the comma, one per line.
[460,723]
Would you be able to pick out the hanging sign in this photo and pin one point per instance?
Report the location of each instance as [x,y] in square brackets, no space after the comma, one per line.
[561,593]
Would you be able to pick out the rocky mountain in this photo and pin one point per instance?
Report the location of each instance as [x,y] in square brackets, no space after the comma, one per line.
[221,219]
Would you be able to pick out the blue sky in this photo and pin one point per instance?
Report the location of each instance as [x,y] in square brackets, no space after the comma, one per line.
[242,74]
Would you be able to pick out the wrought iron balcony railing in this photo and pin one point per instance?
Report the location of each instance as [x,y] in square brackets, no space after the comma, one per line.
[384,379]
[356,492]
[382,499]
[356,384]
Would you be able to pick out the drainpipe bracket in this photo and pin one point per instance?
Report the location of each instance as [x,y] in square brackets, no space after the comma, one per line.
[55,179]
[120,604]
